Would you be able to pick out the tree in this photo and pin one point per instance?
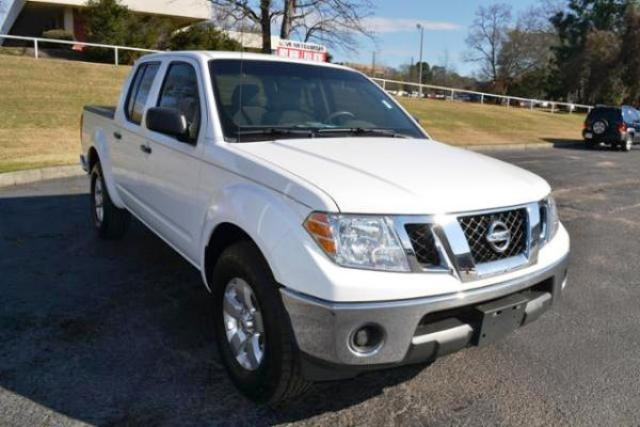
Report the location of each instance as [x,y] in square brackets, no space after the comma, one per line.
[109,22]
[574,26]
[628,54]
[414,70]
[487,36]
[526,54]
[201,37]
[332,22]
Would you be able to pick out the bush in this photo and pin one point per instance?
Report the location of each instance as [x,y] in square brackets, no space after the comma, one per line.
[201,37]
[58,34]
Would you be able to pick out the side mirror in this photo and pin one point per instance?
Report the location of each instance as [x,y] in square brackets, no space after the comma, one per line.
[168,121]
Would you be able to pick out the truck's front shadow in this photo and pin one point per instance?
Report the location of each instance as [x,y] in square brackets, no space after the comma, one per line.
[109,333]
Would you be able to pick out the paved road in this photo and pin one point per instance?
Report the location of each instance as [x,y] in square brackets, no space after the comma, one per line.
[117,333]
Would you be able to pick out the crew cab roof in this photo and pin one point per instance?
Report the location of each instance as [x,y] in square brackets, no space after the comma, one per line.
[206,55]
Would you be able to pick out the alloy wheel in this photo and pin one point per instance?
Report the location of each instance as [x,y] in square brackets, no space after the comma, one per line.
[243,324]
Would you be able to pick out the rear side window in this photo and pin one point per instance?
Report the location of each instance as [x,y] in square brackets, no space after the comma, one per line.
[630,115]
[139,91]
[180,92]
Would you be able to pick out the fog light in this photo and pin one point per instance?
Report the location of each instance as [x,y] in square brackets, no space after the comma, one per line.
[367,339]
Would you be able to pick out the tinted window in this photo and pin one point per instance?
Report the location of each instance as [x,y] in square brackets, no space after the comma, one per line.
[139,92]
[254,95]
[180,92]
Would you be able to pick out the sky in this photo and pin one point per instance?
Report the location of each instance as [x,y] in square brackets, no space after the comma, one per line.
[446,23]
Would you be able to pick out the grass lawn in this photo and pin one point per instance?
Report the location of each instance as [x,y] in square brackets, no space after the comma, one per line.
[462,123]
[40,106]
[41,102]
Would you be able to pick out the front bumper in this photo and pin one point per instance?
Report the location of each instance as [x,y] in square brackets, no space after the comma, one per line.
[413,330]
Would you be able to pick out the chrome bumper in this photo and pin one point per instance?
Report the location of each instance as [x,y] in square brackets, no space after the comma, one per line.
[324,330]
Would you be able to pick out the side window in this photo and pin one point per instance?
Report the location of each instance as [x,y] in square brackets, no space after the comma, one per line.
[139,91]
[180,92]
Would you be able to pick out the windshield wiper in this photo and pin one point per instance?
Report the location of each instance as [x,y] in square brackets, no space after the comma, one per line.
[274,132]
[362,132]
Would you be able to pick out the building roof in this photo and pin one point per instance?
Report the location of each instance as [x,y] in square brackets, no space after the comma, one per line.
[194,9]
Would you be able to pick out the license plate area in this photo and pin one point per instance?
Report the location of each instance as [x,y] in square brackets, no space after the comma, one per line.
[499,318]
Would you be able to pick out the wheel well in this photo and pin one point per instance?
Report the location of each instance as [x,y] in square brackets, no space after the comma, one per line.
[222,237]
[93,158]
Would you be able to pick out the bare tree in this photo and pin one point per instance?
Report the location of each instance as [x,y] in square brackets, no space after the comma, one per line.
[487,36]
[527,46]
[332,22]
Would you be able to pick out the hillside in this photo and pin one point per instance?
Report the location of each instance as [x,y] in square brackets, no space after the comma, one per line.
[41,102]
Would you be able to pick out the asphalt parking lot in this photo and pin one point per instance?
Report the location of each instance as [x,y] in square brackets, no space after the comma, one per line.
[118,333]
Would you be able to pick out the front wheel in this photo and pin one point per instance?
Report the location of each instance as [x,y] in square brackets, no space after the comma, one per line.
[110,221]
[252,328]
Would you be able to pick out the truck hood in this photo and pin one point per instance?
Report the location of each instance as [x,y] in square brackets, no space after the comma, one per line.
[402,176]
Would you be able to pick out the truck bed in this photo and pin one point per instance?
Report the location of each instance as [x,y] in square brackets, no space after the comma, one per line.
[103,110]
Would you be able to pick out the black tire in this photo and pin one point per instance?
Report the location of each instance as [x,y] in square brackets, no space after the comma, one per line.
[277,378]
[114,221]
[591,145]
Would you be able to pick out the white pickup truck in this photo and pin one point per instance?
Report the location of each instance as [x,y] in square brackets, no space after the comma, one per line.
[334,236]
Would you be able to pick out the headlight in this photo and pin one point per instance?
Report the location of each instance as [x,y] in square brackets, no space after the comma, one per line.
[552,220]
[368,242]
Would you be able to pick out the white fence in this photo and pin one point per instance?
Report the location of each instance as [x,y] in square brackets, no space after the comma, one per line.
[389,85]
[38,41]
[398,88]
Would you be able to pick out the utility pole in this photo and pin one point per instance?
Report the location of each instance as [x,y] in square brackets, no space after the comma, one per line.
[421,28]
[373,63]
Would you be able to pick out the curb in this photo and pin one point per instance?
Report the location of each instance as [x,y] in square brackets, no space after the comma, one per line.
[519,147]
[35,175]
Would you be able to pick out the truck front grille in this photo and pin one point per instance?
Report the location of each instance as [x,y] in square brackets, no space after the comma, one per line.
[424,244]
[476,230]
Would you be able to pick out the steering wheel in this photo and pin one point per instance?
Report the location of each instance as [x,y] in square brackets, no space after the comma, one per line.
[346,114]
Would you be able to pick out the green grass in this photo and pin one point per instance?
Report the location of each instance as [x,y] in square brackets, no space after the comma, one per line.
[40,106]
[467,124]
[41,102]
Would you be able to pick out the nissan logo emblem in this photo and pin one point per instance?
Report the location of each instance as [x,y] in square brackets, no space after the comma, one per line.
[498,236]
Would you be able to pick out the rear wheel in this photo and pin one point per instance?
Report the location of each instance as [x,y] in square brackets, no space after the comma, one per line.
[253,333]
[110,221]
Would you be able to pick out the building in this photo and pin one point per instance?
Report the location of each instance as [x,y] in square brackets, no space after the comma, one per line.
[33,17]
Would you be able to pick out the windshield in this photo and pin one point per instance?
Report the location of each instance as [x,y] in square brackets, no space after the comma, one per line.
[265,100]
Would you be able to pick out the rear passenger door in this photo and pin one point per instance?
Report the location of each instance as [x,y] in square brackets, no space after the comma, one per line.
[128,159]
[173,164]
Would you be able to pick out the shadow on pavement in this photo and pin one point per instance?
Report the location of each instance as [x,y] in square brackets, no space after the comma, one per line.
[119,332]
[565,143]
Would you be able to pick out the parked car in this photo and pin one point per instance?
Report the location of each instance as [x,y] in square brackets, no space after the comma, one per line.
[334,235]
[618,127]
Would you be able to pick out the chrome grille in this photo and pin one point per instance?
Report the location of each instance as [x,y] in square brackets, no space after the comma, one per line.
[476,228]
[424,244]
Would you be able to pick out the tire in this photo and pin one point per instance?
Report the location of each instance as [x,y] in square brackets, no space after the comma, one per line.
[591,145]
[110,221]
[276,378]
[627,144]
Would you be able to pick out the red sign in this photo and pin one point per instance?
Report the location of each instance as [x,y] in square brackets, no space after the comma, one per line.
[300,50]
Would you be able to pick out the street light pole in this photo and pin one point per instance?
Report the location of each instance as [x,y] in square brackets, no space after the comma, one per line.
[421,28]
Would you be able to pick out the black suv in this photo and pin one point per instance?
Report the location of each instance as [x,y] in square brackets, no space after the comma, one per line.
[615,126]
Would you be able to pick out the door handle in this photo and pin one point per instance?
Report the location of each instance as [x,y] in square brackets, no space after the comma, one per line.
[145,149]
[117,135]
